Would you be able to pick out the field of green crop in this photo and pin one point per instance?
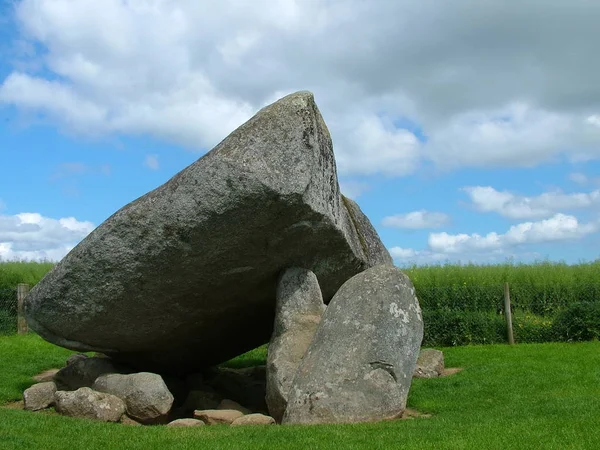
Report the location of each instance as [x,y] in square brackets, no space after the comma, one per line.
[543,275]
[15,272]
[462,304]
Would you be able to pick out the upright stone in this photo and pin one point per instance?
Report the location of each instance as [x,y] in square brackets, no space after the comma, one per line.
[196,260]
[298,312]
[360,363]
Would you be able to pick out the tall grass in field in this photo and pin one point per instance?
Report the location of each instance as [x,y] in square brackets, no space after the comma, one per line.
[462,304]
[541,287]
[15,272]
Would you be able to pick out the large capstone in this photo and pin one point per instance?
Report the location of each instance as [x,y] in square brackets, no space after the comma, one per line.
[185,276]
[360,363]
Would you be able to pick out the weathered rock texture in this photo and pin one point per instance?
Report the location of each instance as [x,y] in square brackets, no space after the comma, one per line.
[360,363]
[88,404]
[39,396]
[195,261]
[298,312]
[430,364]
[146,395]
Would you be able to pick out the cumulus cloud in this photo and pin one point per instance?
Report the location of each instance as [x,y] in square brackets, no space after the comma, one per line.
[353,189]
[74,169]
[578,178]
[32,236]
[513,206]
[515,135]
[417,220]
[488,83]
[151,162]
[419,257]
[558,228]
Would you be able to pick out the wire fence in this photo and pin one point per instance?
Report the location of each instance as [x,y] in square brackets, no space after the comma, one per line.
[539,299]
[456,315]
[8,311]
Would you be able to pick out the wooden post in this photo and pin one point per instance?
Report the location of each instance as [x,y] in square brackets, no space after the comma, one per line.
[22,291]
[508,315]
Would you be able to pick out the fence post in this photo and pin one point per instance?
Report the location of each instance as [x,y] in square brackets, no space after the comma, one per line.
[22,291]
[508,315]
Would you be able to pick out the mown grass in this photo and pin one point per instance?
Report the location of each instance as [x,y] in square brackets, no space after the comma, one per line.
[519,397]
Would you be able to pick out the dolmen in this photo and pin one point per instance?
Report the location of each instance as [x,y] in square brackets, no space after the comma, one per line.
[252,243]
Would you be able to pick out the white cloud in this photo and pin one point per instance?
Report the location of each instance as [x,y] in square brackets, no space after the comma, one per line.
[578,178]
[33,236]
[515,135]
[417,220]
[558,228]
[488,199]
[190,73]
[371,144]
[419,257]
[66,169]
[151,162]
[353,189]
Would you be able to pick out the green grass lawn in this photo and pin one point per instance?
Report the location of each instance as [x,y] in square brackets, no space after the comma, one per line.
[527,396]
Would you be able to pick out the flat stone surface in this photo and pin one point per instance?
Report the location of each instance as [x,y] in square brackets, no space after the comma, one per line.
[186,423]
[195,262]
[253,419]
[218,416]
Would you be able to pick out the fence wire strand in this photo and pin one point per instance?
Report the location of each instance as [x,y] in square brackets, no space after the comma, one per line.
[454,315]
[8,311]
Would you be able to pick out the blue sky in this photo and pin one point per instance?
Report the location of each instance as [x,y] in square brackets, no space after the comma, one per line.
[462,139]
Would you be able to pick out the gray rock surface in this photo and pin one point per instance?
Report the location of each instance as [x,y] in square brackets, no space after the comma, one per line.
[82,372]
[298,312]
[430,363]
[88,404]
[196,260]
[39,396]
[360,363]
[146,395]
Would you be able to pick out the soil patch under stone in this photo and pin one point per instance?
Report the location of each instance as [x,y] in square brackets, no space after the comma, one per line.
[451,371]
